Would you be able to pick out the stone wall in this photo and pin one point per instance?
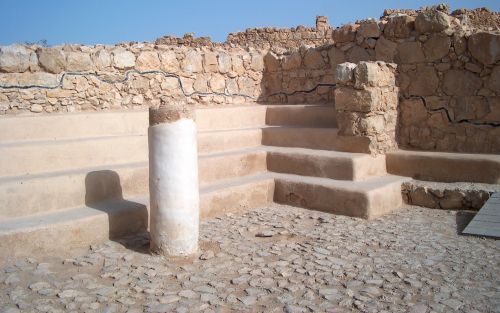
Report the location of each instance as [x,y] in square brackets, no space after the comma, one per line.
[81,78]
[366,100]
[449,72]
[296,37]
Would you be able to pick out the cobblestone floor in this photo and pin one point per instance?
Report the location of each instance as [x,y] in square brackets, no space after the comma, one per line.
[276,259]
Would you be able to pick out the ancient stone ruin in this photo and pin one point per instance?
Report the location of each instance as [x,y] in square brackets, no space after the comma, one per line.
[359,120]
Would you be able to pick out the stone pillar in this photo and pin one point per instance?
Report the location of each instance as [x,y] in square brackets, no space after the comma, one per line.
[322,23]
[173,180]
[366,100]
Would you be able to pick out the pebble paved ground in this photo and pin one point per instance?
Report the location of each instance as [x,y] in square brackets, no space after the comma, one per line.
[276,259]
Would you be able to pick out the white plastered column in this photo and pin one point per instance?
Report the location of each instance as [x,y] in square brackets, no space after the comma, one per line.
[173,181]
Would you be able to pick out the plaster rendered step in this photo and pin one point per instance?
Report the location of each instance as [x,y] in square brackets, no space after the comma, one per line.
[301,115]
[445,166]
[300,137]
[70,232]
[324,163]
[227,140]
[34,194]
[232,117]
[56,155]
[72,125]
[41,193]
[227,165]
[368,199]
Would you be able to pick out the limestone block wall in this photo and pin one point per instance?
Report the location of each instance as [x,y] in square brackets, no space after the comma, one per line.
[82,78]
[366,101]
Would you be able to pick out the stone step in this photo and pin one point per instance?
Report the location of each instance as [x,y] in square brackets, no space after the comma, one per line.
[301,115]
[300,137]
[42,193]
[233,117]
[445,166]
[135,122]
[23,158]
[367,199]
[69,232]
[227,140]
[324,163]
[72,125]
[226,165]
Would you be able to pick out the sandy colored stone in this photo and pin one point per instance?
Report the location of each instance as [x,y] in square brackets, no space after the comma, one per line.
[123,59]
[224,61]
[14,58]
[101,59]
[345,33]
[192,62]
[148,60]
[217,83]
[169,62]
[292,61]
[344,73]
[436,47]
[494,81]
[52,60]
[313,59]
[423,81]
[485,47]
[78,62]
[170,113]
[336,56]
[257,62]
[411,52]
[271,62]
[385,50]
[369,29]
[357,54]
[461,83]
[374,74]
[210,61]
[432,21]
[399,26]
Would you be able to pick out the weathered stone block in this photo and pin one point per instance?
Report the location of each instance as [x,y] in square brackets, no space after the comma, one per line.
[313,59]
[461,83]
[292,61]
[346,33]
[485,47]
[374,74]
[411,52]
[399,26]
[344,73]
[192,62]
[423,81]
[210,61]
[432,21]
[101,59]
[148,60]
[369,29]
[385,50]
[123,59]
[52,60]
[436,47]
[78,62]
[169,62]
[14,58]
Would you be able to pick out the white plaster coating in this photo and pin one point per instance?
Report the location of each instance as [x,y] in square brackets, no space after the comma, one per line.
[174,188]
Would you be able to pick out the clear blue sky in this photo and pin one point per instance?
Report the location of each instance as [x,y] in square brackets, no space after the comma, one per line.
[113,21]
